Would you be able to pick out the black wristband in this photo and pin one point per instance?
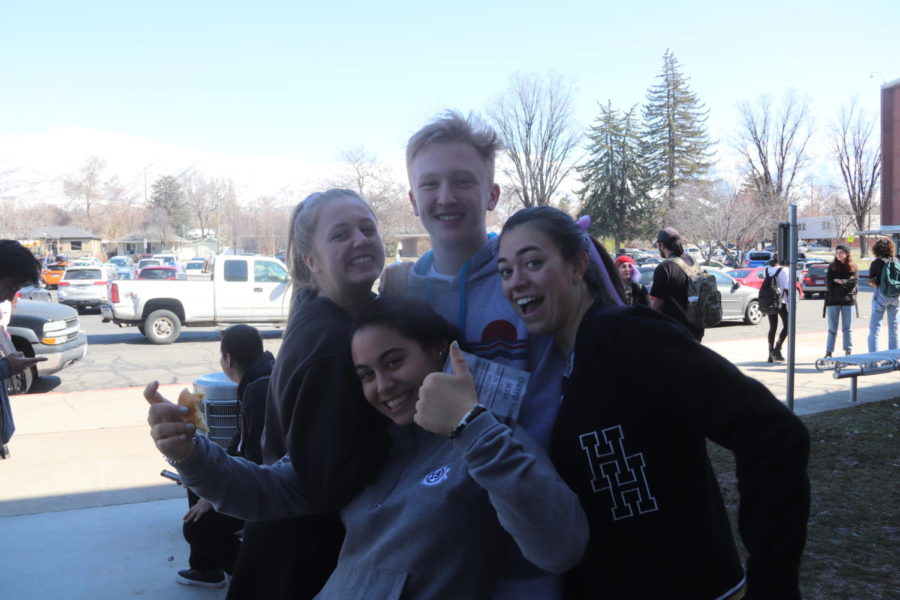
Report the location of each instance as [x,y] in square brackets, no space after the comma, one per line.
[467,418]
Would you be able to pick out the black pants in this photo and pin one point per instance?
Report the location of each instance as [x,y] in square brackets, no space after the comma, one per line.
[213,540]
[286,559]
[773,325]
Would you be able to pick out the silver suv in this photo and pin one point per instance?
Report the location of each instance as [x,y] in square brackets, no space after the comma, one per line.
[83,287]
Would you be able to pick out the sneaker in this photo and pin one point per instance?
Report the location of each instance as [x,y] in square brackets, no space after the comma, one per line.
[207,579]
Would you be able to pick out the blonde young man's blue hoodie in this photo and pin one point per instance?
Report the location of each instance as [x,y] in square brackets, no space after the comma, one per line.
[473,301]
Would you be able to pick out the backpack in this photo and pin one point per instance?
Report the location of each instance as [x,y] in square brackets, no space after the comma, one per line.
[704,301]
[889,283]
[770,294]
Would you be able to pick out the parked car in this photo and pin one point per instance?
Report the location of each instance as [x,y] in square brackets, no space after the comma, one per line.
[166,259]
[758,258]
[243,289]
[148,262]
[45,329]
[739,302]
[161,272]
[31,292]
[814,280]
[122,267]
[83,287]
[754,278]
[52,273]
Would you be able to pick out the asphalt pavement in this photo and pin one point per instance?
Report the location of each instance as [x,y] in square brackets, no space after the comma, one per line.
[85,514]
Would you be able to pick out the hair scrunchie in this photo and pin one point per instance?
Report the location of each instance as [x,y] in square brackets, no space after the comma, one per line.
[584,223]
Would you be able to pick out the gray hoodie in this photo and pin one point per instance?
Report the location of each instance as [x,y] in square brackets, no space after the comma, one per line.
[403,539]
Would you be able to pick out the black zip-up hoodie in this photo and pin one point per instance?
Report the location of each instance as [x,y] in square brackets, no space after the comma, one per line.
[630,439]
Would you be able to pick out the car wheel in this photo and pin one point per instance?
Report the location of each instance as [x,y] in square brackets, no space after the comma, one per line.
[162,327]
[20,383]
[752,315]
[141,329]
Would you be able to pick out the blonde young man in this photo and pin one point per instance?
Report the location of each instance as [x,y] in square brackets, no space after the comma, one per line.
[450,163]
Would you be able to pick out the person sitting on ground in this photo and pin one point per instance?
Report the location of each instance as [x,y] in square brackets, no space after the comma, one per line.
[637,454]
[635,292]
[211,535]
[457,488]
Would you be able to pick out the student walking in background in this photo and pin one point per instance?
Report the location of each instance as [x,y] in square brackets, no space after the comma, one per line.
[884,276]
[840,299]
[781,279]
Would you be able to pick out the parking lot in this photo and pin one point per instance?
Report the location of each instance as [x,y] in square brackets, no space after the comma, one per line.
[122,357]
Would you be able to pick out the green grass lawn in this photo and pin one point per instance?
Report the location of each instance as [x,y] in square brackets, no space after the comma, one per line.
[853,543]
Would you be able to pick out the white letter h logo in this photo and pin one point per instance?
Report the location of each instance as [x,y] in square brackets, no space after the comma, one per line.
[622,475]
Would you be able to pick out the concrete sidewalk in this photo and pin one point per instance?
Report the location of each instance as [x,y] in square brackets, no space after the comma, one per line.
[85,514]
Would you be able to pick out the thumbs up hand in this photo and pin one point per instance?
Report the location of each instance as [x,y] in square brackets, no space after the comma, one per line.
[445,398]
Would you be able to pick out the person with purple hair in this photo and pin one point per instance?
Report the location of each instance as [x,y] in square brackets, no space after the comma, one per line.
[635,292]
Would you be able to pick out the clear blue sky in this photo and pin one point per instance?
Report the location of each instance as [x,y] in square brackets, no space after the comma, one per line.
[278,79]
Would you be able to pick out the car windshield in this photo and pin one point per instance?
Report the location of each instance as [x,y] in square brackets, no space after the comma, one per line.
[156,273]
[739,273]
[73,274]
[57,267]
[817,270]
[759,256]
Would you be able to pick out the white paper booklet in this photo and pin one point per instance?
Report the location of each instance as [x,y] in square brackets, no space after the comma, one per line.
[501,389]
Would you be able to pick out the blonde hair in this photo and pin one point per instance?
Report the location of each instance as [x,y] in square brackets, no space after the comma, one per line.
[300,236]
[453,127]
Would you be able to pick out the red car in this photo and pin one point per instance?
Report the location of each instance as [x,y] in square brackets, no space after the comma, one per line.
[754,278]
[158,273]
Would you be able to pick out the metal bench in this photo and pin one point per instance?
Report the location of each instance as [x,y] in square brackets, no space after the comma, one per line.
[855,365]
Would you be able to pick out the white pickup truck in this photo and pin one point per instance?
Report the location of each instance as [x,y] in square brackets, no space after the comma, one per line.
[241,289]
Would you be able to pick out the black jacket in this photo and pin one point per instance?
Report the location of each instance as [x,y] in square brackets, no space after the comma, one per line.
[630,439]
[637,295]
[317,412]
[252,392]
[840,294]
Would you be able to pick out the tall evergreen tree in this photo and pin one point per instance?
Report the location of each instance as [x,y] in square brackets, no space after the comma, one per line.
[675,130]
[168,198]
[617,185]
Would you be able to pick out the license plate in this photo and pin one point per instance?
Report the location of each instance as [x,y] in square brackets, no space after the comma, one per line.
[820,282]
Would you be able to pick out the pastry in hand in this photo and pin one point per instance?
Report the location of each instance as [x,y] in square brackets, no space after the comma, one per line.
[195,414]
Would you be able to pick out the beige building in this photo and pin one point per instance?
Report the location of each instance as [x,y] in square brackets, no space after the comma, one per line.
[68,241]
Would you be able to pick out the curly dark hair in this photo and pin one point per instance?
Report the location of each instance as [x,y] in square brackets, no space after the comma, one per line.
[883,248]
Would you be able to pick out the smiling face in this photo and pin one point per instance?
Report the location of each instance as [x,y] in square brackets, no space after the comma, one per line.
[452,190]
[841,256]
[347,252]
[391,368]
[547,291]
[626,270]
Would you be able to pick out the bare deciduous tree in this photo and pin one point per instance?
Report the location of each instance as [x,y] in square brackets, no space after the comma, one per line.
[860,162]
[534,119]
[772,142]
[717,213]
[203,196]
[87,186]
[375,182]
